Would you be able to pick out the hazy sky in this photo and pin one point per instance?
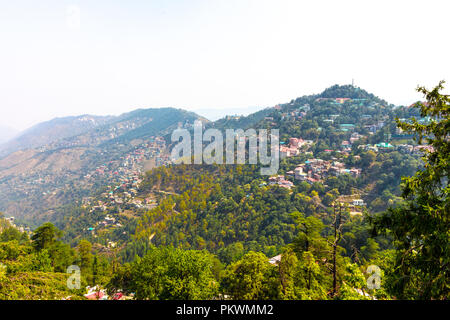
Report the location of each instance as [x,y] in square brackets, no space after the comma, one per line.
[61,58]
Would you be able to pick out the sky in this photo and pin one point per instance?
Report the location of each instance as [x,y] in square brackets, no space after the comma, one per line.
[61,58]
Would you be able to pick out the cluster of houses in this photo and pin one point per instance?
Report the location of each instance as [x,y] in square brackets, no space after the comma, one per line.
[128,176]
[293,148]
[316,170]
[372,128]
[108,220]
[128,196]
[293,115]
[131,165]
[123,173]
[118,199]
[96,293]
[334,100]
[11,222]
[280,181]
[403,148]
[415,150]
[346,145]
[378,147]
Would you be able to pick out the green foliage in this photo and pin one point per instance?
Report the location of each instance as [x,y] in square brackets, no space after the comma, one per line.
[231,212]
[37,269]
[45,236]
[85,257]
[251,278]
[354,284]
[166,273]
[420,227]
[10,233]
[312,282]
[231,253]
[211,213]
[309,236]
[36,286]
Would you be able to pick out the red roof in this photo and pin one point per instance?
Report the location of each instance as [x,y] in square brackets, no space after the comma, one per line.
[118,296]
[95,295]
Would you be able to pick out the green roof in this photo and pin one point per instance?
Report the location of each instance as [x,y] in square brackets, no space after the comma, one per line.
[384,145]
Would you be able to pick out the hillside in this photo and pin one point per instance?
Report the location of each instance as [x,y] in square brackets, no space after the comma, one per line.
[342,161]
[51,131]
[346,148]
[62,160]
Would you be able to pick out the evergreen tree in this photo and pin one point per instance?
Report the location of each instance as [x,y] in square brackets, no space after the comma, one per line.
[420,228]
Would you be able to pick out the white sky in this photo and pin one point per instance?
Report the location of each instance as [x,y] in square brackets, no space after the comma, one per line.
[210,54]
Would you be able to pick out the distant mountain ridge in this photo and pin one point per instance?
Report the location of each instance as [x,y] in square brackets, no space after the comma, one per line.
[53,130]
[70,128]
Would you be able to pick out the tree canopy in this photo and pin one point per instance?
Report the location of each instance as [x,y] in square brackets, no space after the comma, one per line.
[421,227]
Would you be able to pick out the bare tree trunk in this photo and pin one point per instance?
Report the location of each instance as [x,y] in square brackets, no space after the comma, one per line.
[337,238]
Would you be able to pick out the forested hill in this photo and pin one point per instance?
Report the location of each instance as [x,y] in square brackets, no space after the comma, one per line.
[215,207]
[59,162]
[354,98]
[336,91]
[349,91]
